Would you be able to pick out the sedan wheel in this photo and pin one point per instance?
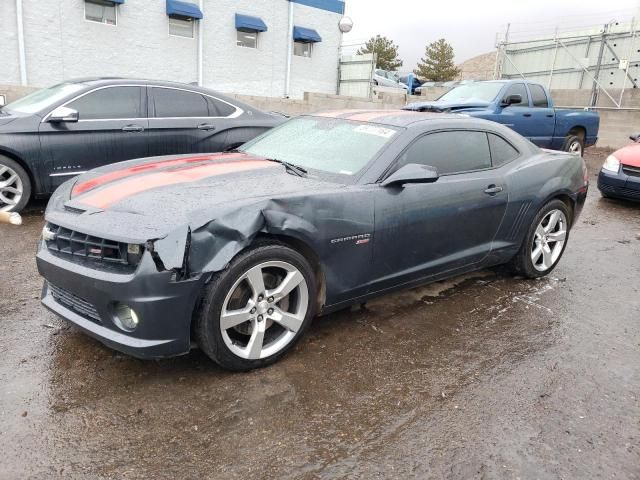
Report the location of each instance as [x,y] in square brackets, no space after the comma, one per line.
[549,240]
[256,309]
[11,188]
[264,310]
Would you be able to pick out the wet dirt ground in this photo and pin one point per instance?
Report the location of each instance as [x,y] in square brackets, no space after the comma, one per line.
[486,376]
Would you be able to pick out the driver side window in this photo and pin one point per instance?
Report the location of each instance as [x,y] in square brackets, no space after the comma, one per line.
[518,89]
[449,152]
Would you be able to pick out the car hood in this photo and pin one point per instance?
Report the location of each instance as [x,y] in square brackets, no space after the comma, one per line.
[146,199]
[6,119]
[446,106]
[629,155]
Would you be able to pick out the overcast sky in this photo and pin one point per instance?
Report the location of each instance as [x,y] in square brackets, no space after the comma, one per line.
[471,25]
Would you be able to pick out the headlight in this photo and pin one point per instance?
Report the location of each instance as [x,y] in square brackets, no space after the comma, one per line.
[612,164]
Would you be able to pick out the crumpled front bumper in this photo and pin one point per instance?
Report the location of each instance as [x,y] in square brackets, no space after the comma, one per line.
[87,297]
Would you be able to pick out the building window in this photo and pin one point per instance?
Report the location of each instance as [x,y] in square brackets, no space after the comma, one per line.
[181,27]
[247,39]
[100,11]
[302,49]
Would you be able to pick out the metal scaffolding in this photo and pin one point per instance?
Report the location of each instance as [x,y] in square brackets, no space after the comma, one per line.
[604,59]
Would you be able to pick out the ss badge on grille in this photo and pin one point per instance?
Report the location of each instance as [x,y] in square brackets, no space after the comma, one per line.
[48,235]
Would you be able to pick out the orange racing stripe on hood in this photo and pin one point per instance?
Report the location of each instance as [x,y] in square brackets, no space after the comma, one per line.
[145,167]
[109,195]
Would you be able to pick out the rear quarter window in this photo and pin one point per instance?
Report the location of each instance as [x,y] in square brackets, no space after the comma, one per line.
[502,152]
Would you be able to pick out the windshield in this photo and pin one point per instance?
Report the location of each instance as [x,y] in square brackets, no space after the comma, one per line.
[43,98]
[483,92]
[329,145]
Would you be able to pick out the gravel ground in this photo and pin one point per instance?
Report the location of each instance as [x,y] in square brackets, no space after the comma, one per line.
[484,376]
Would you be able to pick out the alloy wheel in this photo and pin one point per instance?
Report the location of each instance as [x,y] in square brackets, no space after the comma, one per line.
[548,240]
[264,309]
[11,188]
[575,147]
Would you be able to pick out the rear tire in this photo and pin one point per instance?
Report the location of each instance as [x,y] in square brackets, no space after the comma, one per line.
[15,186]
[245,320]
[545,241]
[573,144]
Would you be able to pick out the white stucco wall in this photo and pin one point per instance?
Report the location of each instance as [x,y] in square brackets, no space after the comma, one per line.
[60,44]
[319,73]
[9,62]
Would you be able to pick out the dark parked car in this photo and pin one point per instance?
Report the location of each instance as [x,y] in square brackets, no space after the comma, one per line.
[67,129]
[620,174]
[527,107]
[239,251]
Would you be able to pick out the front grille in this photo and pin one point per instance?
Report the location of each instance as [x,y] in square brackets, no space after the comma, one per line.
[82,245]
[631,171]
[75,303]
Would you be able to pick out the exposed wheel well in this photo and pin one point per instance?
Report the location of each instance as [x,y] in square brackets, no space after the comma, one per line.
[566,199]
[311,256]
[579,132]
[23,164]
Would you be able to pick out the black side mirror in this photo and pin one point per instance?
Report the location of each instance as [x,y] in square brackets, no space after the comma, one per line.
[411,173]
[635,137]
[511,99]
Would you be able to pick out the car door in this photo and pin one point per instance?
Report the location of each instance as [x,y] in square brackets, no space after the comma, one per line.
[542,122]
[184,121]
[425,229]
[517,115]
[111,127]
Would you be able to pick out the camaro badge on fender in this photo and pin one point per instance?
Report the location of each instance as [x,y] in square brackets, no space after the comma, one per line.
[359,239]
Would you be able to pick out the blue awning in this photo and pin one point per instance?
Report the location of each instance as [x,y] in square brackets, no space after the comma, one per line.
[119,2]
[308,35]
[177,8]
[245,23]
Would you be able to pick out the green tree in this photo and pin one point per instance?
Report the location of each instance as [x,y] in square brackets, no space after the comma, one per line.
[437,64]
[386,52]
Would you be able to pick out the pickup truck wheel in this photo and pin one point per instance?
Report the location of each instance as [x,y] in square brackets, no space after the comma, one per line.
[573,144]
[255,310]
[545,241]
[15,186]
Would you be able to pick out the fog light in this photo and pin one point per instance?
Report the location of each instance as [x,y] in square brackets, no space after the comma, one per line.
[126,318]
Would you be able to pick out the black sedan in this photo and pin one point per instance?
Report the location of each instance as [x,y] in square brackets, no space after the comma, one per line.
[237,252]
[65,130]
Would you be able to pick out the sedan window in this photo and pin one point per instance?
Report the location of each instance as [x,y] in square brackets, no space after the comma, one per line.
[170,102]
[110,103]
[41,99]
[449,152]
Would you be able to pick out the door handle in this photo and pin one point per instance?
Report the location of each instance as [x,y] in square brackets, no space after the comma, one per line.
[132,128]
[206,126]
[493,189]
[526,114]
[550,115]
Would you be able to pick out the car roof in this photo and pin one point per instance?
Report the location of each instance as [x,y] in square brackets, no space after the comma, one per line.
[104,81]
[393,118]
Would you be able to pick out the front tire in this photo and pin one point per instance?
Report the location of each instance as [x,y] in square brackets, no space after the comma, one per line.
[255,310]
[15,186]
[545,241]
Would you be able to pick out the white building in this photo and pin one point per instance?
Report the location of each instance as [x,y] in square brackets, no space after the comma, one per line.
[260,47]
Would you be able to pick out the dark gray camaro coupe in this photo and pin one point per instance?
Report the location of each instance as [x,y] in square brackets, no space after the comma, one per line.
[238,251]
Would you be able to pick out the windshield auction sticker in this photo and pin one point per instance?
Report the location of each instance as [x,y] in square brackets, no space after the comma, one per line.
[377,131]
